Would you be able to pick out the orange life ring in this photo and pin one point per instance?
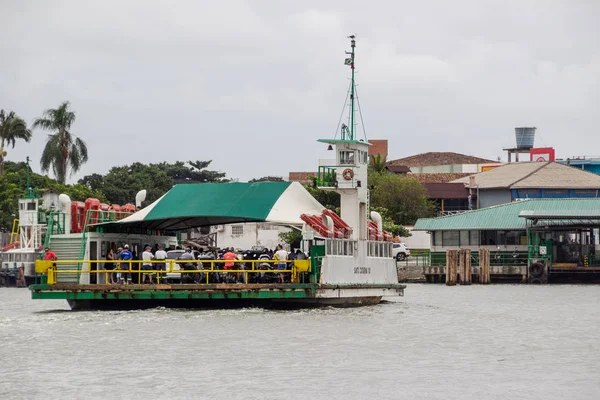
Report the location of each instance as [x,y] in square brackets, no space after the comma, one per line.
[348,174]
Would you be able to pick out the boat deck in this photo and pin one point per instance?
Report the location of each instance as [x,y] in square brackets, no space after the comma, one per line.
[306,292]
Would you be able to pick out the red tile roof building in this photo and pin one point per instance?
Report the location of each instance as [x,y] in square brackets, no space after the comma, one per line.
[439,158]
[302,177]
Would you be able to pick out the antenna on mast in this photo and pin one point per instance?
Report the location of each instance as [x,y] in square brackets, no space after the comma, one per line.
[28,190]
[349,134]
[348,130]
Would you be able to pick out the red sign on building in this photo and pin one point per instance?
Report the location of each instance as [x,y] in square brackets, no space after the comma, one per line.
[542,154]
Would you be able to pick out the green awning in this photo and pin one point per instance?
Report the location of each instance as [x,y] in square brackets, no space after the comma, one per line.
[194,205]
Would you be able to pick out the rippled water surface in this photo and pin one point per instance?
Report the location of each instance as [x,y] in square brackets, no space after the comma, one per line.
[476,342]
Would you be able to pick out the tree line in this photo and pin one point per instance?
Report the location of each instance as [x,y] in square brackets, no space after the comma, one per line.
[401,200]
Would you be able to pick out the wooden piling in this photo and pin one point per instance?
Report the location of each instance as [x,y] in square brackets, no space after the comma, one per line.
[465,267]
[484,266]
[451,262]
[461,266]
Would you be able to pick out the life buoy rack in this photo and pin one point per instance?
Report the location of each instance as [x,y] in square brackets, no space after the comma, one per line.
[339,223]
[10,246]
[348,174]
[375,234]
[316,223]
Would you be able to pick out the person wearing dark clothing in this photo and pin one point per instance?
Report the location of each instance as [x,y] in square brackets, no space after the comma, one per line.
[109,265]
[125,257]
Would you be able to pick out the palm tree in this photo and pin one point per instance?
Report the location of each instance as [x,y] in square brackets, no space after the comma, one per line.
[11,128]
[63,150]
[377,163]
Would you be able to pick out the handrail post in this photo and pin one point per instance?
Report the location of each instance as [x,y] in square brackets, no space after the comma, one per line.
[130,270]
[51,275]
[207,272]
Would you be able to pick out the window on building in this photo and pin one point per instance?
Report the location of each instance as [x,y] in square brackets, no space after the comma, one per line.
[464,238]
[437,238]
[488,238]
[556,192]
[501,238]
[237,229]
[474,238]
[347,157]
[365,157]
[585,193]
[524,193]
[450,238]
[31,206]
[516,238]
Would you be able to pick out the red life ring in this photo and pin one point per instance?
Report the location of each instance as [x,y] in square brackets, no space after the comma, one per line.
[348,174]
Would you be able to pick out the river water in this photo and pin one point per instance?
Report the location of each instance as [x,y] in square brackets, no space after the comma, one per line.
[437,342]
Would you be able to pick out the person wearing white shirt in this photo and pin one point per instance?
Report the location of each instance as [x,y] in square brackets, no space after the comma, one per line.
[281,255]
[147,264]
[160,256]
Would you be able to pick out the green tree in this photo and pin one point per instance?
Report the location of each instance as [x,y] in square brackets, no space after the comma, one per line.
[293,238]
[388,223]
[192,172]
[377,163]
[121,184]
[11,128]
[63,150]
[404,197]
[93,181]
[13,186]
[268,179]
[328,198]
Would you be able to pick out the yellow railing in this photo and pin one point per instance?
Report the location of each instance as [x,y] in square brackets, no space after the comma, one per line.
[134,267]
[14,234]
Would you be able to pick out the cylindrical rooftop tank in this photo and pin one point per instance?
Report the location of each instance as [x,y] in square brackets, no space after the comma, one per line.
[525,137]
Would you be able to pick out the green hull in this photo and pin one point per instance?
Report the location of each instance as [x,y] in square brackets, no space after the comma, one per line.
[204,296]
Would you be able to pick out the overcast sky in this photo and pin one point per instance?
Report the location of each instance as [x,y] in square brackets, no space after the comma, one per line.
[253,84]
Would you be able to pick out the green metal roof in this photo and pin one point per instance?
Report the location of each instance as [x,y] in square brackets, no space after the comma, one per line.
[507,216]
[560,214]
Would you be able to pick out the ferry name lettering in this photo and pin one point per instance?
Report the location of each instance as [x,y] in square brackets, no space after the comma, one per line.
[362,270]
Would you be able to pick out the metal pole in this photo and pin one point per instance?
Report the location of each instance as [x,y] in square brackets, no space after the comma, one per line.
[352,45]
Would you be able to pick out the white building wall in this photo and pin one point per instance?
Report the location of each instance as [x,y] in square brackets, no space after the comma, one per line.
[418,240]
[244,236]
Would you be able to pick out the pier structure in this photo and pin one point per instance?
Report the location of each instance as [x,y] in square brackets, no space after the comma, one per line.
[533,241]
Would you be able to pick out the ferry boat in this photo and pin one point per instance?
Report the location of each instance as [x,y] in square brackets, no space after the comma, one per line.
[350,259]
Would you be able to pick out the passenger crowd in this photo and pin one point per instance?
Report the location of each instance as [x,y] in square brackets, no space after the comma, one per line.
[119,260]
